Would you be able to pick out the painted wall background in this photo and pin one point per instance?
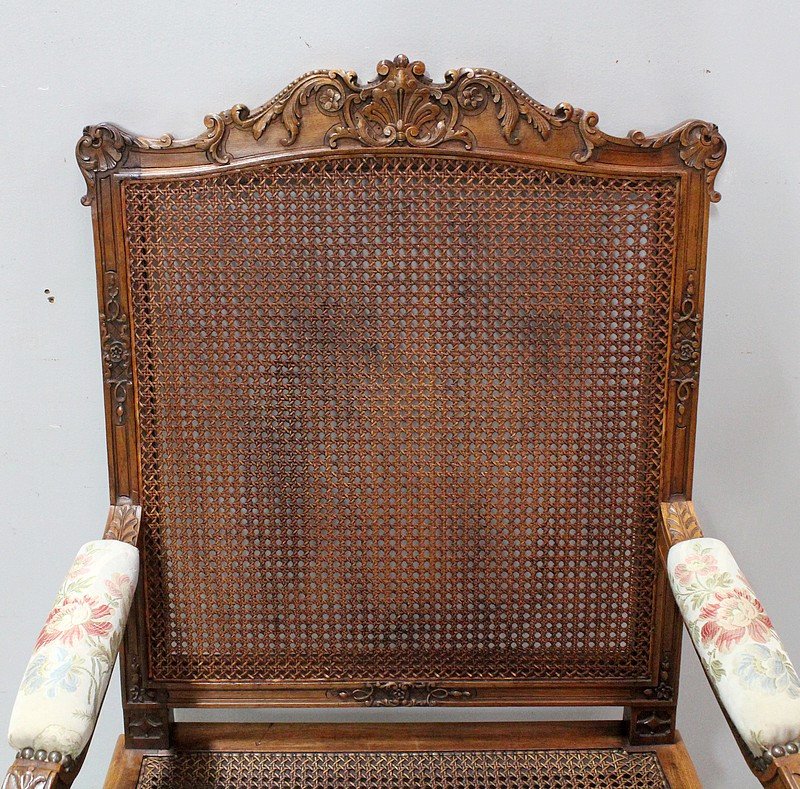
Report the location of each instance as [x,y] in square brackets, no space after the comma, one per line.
[153,68]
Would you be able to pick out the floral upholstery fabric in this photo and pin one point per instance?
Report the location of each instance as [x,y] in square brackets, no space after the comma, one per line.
[66,678]
[741,653]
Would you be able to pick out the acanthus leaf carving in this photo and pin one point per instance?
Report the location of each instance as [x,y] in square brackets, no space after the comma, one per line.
[681,521]
[123,522]
[27,774]
[402,106]
[401,694]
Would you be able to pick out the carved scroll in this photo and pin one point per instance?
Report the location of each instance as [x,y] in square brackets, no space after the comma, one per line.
[402,694]
[400,107]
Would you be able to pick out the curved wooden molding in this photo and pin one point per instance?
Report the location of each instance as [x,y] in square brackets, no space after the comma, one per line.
[680,521]
[402,107]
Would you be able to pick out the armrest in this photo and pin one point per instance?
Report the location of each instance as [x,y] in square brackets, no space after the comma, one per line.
[66,678]
[744,659]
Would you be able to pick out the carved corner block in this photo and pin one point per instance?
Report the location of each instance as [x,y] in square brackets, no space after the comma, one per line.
[650,725]
[147,725]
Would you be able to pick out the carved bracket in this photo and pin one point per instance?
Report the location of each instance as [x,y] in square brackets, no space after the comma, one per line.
[680,521]
[115,340]
[685,357]
[650,726]
[401,694]
[123,521]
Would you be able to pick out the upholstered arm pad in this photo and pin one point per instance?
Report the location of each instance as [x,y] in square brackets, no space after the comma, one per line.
[66,678]
[754,679]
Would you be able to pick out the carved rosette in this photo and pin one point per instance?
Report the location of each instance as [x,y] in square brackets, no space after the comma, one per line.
[663,691]
[115,341]
[685,356]
[402,694]
[681,521]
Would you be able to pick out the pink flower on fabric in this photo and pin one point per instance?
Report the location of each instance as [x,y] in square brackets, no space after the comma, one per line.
[731,616]
[118,585]
[74,619]
[696,565]
[81,565]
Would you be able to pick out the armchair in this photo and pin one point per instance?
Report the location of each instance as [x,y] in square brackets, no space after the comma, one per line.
[401,388]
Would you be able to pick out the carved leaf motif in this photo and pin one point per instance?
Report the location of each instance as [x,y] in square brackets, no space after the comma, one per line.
[27,776]
[123,523]
[681,521]
[402,694]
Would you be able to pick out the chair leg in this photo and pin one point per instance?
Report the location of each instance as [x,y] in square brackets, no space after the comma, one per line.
[650,725]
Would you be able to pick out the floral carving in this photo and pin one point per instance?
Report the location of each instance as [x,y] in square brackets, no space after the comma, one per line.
[98,151]
[663,691]
[402,106]
[685,357]
[402,694]
[115,336]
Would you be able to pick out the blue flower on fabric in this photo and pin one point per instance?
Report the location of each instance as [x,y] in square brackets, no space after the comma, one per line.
[767,670]
[53,670]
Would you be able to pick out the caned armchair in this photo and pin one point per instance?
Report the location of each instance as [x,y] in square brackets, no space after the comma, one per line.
[401,386]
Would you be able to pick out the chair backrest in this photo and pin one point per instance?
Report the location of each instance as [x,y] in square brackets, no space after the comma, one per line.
[400,373]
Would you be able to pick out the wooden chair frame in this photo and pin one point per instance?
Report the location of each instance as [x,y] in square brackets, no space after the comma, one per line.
[475,112]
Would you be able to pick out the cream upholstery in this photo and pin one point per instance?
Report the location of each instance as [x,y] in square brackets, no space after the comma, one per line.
[66,678]
[741,652]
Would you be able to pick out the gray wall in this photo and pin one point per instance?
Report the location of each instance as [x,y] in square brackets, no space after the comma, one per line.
[153,67]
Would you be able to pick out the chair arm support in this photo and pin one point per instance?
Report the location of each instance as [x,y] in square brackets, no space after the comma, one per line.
[744,659]
[58,702]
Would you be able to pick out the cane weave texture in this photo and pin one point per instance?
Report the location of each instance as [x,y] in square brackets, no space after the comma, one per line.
[576,769]
[400,416]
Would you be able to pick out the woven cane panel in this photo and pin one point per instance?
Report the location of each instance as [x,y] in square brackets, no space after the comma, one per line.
[400,417]
[614,769]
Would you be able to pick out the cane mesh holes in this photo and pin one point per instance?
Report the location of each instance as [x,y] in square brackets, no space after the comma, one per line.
[588,769]
[400,417]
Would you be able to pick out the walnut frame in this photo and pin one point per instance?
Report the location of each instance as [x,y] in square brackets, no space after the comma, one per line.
[475,112]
